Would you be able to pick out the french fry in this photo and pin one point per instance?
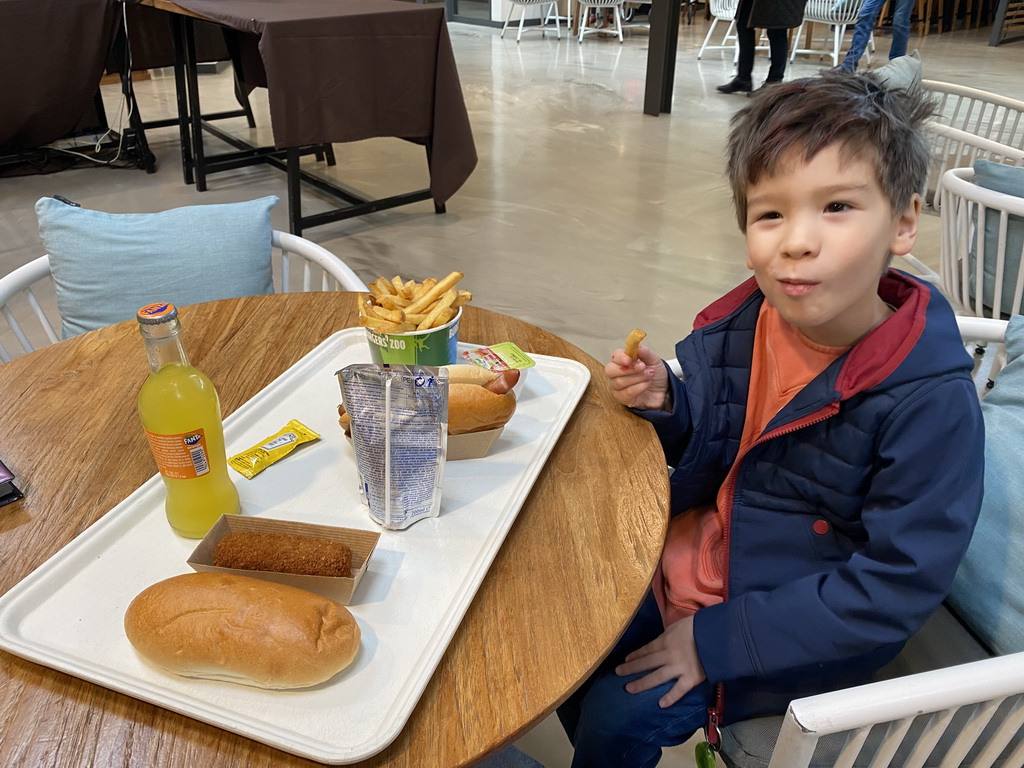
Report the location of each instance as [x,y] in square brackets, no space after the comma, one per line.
[436,291]
[435,311]
[382,326]
[393,315]
[421,290]
[632,347]
[386,288]
[394,302]
[401,306]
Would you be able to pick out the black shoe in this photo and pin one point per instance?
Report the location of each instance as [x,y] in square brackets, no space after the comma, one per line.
[736,86]
[764,85]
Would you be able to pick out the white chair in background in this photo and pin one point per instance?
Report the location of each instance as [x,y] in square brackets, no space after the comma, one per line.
[979,273]
[721,10]
[981,113]
[28,321]
[837,15]
[725,10]
[548,6]
[956,148]
[971,124]
[585,6]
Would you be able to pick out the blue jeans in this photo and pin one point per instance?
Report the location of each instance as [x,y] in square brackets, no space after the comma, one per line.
[610,728]
[866,22]
[510,757]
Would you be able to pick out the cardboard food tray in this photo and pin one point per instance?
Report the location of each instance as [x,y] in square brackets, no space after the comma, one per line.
[340,588]
[68,614]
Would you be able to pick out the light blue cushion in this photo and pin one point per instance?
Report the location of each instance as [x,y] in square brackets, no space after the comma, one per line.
[107,265]
[988,593]
[1010,181]
[902,73]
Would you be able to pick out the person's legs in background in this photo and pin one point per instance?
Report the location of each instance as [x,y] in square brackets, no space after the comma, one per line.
[742,83]
[745,64]
[778,49]
[862,33]
[900,28]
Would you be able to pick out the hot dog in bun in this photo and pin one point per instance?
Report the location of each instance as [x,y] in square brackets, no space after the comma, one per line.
[478,399]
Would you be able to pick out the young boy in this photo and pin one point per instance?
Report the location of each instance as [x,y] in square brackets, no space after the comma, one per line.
[825,436]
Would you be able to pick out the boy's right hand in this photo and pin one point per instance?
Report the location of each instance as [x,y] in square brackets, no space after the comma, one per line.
[641,383]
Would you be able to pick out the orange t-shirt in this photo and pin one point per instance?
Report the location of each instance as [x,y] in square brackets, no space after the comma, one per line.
[692,565]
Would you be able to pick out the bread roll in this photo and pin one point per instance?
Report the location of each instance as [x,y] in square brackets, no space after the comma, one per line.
[471,408]
[243,630]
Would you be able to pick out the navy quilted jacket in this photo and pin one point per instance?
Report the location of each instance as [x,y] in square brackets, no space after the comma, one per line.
[850,514]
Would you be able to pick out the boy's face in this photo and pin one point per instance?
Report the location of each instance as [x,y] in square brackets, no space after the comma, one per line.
[818,236]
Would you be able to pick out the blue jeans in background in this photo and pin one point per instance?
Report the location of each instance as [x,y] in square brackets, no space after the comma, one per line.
[866,22]
[610,728]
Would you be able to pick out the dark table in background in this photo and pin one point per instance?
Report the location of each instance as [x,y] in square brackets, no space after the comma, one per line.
[51,59]
[335,71]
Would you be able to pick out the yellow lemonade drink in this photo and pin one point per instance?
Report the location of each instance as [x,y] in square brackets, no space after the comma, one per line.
[180,413]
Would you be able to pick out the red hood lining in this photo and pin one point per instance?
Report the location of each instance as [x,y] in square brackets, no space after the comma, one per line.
[875,356]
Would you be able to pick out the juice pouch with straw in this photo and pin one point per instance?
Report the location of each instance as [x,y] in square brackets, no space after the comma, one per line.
[399,432]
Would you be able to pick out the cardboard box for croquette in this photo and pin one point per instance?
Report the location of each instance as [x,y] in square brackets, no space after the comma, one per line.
[340,588]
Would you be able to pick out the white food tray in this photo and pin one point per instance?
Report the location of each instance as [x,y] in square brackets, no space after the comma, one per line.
[68,614]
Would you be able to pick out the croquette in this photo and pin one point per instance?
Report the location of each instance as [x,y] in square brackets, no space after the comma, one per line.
[283,553]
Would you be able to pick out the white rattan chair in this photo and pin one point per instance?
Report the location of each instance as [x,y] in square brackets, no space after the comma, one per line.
[28,307]
[725,10]
[979,273]
[983,114]
[956,148]
[585,7]
[838,15]
[971,124]
[721,10]
[548,7]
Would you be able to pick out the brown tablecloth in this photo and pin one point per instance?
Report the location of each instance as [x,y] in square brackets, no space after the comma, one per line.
[51,59]
[153,42]
[345,70]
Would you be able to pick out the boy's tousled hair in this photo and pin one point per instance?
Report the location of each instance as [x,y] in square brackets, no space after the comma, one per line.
[855,111]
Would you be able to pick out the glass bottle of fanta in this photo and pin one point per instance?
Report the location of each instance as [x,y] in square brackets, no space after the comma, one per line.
[180,412]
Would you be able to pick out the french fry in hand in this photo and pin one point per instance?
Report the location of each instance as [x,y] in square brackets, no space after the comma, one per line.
[632,347]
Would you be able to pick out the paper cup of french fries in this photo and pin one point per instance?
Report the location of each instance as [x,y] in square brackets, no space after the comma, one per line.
[413,323]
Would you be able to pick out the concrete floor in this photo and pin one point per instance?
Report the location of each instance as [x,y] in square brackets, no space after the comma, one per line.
[584,216]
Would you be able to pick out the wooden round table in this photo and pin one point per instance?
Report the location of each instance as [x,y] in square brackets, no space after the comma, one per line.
[570,575]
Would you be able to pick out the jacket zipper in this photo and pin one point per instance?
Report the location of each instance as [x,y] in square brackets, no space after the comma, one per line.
[715,710]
